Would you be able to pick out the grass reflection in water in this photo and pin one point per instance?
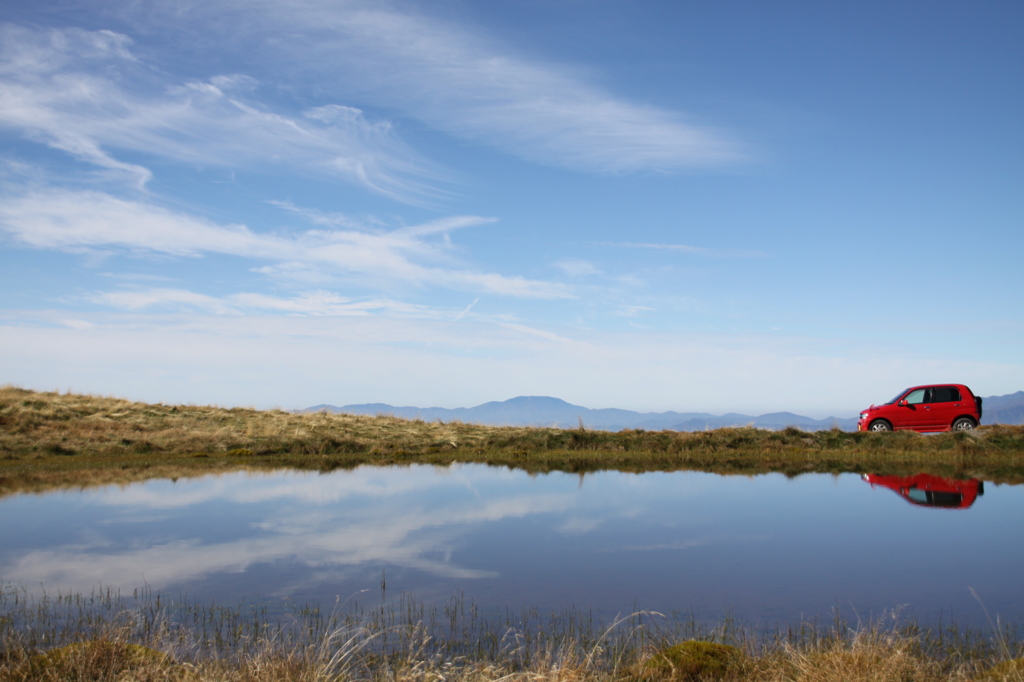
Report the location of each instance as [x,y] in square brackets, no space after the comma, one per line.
[105,635]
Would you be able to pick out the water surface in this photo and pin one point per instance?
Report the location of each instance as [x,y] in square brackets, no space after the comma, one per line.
[764,549]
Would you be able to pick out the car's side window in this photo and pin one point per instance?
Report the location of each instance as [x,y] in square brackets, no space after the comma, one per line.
[945,394]
[915,397]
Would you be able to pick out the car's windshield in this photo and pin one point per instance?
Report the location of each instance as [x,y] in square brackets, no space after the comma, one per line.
[898,396]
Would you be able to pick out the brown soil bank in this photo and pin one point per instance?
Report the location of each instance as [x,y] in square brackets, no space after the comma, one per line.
[52,440]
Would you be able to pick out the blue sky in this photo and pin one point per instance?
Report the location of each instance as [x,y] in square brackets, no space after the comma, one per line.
[728,206]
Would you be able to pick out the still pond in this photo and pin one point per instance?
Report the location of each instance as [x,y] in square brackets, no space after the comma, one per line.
[765,549]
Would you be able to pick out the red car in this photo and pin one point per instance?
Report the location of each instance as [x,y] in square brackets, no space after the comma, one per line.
[942,407]
[926,490]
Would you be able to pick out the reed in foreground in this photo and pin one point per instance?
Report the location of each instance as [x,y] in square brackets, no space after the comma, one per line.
[52,439]
[104,637]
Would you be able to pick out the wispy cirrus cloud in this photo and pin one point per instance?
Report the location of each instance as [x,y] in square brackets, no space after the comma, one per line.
[320,303]
[455,78]
[417,255]
[84,93]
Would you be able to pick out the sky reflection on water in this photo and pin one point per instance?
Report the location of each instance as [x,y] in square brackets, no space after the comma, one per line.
[762,548]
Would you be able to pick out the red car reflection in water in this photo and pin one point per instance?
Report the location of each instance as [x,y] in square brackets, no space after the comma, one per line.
[925,490]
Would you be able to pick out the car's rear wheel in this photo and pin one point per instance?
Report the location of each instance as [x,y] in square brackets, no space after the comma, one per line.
[880,425]
[964,424]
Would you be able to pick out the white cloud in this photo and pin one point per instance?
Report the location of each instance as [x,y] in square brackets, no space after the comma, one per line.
[456,79]
[135,300]
[541,334]
[321,303]
[27,51]
[307,303]
[296,273]
[60,219]
[632,310]
[77,324]
[465,311]
[576,267]
[83,93]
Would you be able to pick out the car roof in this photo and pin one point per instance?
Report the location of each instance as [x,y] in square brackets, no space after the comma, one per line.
[914,388]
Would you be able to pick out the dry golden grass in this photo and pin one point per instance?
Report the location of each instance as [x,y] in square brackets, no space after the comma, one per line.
[51,439]
[865,657]
[104,636]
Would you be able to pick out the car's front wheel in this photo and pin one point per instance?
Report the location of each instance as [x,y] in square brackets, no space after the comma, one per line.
[964,424]
[880,425]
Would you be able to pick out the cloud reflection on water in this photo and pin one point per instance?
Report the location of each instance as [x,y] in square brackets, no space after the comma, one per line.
[367,516]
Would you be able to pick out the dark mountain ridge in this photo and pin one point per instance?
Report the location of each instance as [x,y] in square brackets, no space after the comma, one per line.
[1003,409]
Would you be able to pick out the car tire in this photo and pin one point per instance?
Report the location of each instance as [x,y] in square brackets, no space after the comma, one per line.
[880,425]
[964,424]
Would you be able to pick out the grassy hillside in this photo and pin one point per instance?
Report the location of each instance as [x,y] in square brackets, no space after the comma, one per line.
[52,439]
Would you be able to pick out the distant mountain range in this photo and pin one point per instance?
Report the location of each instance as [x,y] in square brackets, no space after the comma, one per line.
[1003,409]
[546,411]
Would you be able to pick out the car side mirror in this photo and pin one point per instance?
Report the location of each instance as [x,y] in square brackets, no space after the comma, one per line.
[903,403]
